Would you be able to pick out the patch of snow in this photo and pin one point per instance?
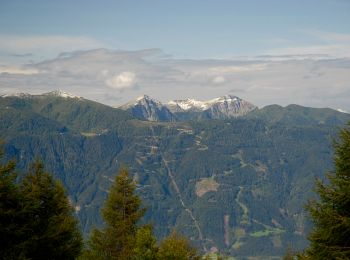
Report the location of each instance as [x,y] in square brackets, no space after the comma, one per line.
[188,104]
[56,93]
[146,98]
[22,95]
[61,93]
[227,98]
[342,111]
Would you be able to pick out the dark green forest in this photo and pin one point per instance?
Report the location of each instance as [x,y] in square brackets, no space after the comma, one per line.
[38,222]
[238,186]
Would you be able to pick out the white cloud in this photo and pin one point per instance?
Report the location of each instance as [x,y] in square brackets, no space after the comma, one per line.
[19,70]
[122,81]
[103,74]
[219,80]
[238,69]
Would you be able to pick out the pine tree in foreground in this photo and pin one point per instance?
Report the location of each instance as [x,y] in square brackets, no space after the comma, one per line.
[176,247]
[10,213]
[121,213]
[330,238]
[145,244]
[51,230]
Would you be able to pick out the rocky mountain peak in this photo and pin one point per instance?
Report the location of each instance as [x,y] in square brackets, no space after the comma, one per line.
[221,107]
[147,108]
[228,106]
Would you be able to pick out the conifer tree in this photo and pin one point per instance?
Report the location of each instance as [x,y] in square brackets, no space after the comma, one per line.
[120,213]
[176,247]
[330,238]
[145,244]
[11,233]
[51,231]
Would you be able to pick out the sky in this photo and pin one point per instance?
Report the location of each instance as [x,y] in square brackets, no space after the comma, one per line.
[266,52]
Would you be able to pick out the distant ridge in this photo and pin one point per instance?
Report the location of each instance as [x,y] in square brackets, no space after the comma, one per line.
[218,108]
[19,94]
[188,104]
[60,93]
[228,106]
[55,93]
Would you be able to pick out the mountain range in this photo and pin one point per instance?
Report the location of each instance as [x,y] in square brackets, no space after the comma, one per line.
[230,176]
[147,108]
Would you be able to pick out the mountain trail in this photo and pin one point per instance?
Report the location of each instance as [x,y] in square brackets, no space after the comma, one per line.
[245,217]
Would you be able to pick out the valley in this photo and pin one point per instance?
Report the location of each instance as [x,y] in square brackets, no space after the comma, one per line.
[236,185]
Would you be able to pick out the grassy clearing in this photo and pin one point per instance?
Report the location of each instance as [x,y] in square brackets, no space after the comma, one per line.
[267,232]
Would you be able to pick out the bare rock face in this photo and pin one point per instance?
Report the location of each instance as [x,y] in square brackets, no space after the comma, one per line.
[147,108]
[224,107]
[229,106]
[219,108]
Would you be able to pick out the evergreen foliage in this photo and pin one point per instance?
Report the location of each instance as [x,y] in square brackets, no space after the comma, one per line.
[121,238]
[10,213]
[121,213]
[176,247]
[51,231]
[36,218]
[290,254]
[330,238]
[145,244]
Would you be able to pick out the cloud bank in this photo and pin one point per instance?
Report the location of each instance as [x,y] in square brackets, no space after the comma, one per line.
[115,77]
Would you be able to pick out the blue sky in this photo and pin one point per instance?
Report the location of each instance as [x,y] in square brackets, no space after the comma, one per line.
[199,29]
[269,31]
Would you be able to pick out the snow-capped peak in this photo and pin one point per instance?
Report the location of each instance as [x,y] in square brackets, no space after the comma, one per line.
[142,100]
[56,93]
[342,111]
[189,103]
[20,94]
[148,98]
[227,98]
[222,107]
[61,93]
[145,107]
[144,96]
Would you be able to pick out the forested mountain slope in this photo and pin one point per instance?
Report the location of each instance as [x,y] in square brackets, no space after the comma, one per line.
[236,185]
